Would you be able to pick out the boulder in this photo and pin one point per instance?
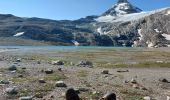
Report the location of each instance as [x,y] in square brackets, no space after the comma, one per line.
[71,95]
[109,96]
[60,84]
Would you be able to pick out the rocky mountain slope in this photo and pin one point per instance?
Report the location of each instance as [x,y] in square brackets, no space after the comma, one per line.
[122,25]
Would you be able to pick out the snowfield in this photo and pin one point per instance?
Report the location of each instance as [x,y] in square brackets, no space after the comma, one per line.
[127,17]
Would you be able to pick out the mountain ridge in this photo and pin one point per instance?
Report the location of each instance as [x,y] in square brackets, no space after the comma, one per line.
[126,29]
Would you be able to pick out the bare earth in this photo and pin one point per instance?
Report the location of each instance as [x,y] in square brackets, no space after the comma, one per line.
[146,66]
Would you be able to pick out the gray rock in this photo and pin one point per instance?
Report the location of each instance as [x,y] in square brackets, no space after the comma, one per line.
[133,81]
[26,98]
[18,60]
[82,89]
[105,72]
[4,82]
[49,71]
[60,84]
[11,91]
[20,75]
[12,68]
[109,96]
[163,80]
[85,64]
[41,81]
[58,62]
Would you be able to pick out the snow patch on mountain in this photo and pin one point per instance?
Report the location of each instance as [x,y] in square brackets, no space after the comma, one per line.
[157,31]
[168,13]
[127,17]
[140,33]
[19,34]
[167,36]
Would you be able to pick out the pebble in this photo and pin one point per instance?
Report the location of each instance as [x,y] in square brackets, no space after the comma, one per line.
[147,98]
[26,98]
[60,84]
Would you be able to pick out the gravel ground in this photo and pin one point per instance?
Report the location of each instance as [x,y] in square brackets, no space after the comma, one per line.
[90,79]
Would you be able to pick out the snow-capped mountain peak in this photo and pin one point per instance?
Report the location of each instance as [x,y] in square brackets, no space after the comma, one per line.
[122,7]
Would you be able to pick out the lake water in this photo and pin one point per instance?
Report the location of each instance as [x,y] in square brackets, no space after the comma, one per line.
[58,47]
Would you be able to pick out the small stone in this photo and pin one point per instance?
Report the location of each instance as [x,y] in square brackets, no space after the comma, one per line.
[39,95]
[147,98]
[60,84]
[85,64]
[25,98]
[60,69]
[20,75]
[81,89]
[12,68]
[135,86]
[122,71]
[4,82]
[105,72]
[38,62]
[58,62]
[49,71]
[11,91]
[18,60]
[143,88]
[71,95]
[41,81]
[23,68]
[163,80]
[133,81]
[109,96]
[51,96]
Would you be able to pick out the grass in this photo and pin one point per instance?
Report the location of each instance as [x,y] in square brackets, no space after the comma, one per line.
[147,64]
[82,73]
[54,77]
[131,94]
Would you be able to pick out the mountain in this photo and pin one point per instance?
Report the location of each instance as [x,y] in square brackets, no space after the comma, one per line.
[121,8]
[122,25]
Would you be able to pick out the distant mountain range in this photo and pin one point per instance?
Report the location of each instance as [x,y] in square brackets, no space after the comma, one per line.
[122,25]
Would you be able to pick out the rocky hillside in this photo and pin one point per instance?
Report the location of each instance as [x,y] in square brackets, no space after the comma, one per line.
[122,25]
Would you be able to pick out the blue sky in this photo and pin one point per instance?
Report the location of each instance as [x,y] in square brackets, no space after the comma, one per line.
[69,9]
